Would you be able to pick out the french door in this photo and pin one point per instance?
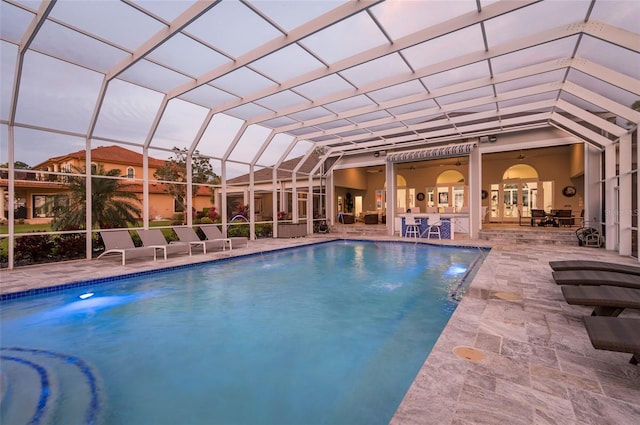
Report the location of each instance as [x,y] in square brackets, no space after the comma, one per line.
[513,198]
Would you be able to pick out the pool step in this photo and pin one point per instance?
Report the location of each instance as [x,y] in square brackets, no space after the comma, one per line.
[359,229]
[528,237]
[47,387]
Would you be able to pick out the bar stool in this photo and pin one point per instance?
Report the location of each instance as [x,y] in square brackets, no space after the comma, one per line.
[412,226]
[434,223]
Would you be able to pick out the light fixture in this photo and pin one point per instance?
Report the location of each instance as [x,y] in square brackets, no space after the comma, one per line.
[521,156]
[376,154]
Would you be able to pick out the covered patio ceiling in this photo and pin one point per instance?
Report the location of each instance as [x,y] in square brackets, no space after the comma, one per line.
[260,82]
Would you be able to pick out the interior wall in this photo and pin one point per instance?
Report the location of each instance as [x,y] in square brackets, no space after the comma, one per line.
[552,164]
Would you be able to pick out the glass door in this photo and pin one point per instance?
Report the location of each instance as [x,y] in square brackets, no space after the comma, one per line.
[513,200]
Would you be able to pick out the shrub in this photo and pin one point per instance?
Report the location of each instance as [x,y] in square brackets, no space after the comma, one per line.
[206,220]
[238,230]
[264,230]
[34,248]
[178,219]
[70,246]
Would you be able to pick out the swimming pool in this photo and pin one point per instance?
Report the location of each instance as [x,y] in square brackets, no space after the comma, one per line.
[329,333]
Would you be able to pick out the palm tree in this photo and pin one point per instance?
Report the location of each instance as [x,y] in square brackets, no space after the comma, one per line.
[111,205]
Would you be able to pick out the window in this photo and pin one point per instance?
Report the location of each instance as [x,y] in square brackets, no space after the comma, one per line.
[130,173]
[178,205]
[44,206]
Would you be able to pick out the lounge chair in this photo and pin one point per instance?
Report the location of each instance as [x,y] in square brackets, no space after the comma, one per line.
[120,242]
[607,300]
[594,265]
[620,334]
[212,232]
[596,277]
[154,238]
[188,235]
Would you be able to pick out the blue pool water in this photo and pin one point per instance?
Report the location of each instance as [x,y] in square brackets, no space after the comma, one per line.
[328,334]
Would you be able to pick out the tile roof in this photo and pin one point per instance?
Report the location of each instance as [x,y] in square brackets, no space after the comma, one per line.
[115,154]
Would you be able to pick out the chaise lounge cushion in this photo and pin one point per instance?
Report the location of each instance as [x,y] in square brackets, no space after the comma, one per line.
[621,334]
[607,300]
[594,265]
[596,277]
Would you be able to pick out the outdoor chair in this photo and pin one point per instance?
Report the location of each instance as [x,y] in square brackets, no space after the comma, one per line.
[120,242]
[594,265]
[564,218]
[212,232]
[155,239]
[621,334]
[188,235]
[538,217]
[433,226]
[606,300]
[412,226]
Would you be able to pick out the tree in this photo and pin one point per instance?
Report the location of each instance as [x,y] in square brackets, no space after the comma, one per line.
[175,170]
[111,205]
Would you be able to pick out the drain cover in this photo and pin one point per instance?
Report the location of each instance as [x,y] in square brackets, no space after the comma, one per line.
[469,354]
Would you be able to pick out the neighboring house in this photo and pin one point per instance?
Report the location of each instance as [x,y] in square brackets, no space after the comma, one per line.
[36,187]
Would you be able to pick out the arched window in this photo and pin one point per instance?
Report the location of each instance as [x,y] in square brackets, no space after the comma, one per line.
[450,191]
[130,173]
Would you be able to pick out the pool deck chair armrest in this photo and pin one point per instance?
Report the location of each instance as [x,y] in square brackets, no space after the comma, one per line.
[596,277]
[120,242]
[621,334]
[607,300]
[594,265]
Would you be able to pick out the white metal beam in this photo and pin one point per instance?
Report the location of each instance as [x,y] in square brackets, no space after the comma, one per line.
[184,19]
[580,129]
[295,35]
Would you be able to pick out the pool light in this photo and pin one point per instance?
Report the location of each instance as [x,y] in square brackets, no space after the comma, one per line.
[85,296]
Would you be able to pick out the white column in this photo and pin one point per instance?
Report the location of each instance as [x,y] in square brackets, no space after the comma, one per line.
[592,185]
[310,207]
[475,193]
[624,206]
[294,198]
[390,177]
[610,186]
[2,203]
[145,187]
[88,196]
[252,204]
[189,191]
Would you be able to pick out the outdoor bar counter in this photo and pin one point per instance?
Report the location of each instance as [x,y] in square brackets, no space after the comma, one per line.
[452,223]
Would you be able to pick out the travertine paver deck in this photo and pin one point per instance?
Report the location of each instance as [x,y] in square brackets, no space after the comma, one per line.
[531,361]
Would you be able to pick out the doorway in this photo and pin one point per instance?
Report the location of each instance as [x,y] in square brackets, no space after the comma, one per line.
[519,192]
